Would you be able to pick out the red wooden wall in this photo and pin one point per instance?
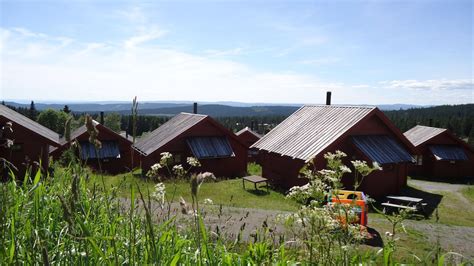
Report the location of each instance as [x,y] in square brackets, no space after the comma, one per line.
[221,167]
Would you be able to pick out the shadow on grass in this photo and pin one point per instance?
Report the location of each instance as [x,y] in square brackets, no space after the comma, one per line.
[432,201]
[376,239]
[258,192]
[450,180]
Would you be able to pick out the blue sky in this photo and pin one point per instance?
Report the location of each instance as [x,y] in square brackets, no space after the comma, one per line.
[365,52]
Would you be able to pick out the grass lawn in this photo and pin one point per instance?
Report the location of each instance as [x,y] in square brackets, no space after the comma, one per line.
[410,242]
[225,192]
[468,192]
[456,207]
[454,211]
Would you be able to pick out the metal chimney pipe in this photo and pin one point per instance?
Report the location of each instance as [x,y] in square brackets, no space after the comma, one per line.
[195,108]
[328,98]
[101,118]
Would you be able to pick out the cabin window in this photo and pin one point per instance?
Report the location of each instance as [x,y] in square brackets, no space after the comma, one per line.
[452,162]
[419,159]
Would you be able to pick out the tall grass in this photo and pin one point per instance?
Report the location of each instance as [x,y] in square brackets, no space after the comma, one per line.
[64,220]
[57,220]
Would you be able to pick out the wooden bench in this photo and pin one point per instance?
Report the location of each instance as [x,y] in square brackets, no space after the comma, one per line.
[388,204]
[255,180]
[405,202]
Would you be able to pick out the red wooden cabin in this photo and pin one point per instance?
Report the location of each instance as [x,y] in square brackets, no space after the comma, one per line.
[217,148]
[439,153]
[31,141]
[363,133]
[115,155]
[249,137]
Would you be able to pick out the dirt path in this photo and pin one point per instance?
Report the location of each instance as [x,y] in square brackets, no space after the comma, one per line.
[243,223]
[459,239]
[436,186]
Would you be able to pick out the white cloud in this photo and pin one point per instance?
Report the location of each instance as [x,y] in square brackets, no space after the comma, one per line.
[145,35]
[96,71]
[361,86]
[229,52]
[40,67]
[433,84]
[321,61]
[133,14]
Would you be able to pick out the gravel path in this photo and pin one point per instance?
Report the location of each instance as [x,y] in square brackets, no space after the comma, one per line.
[436,186]
[459,239]
[243,223]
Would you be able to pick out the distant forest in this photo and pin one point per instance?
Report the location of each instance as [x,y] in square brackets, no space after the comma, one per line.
[457,118]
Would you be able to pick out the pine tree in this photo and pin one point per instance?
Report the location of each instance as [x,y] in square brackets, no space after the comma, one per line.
[66,109]
[471,137]
[32,113]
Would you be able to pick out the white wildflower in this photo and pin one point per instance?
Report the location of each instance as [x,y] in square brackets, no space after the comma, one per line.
[197,180]
[166,158]
[358,163]
[376,166]
[9,143]
[154,170]
[178,168]
[345,169]
[208,201]
[159,193]
[193,162]
[184,206]
[156,167]
[166,155]
[205,175]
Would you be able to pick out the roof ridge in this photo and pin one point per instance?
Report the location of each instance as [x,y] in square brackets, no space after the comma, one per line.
[186,113]
[12,114]
[430,127]
[341,106]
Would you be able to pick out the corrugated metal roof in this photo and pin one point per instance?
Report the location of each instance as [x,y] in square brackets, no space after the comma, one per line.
[420,134]
[448,152]
[381,149]
[109,149]
[311,129]
[29,124]
[167,132]
[247,129]
[210,147]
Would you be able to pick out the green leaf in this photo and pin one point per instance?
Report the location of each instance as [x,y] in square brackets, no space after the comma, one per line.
[175,260]
[96,248]
[12,246]
[37,177]
[441,260]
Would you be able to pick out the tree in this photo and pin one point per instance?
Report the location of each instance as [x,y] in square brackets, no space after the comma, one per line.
[53,120]
[32,113]
[66,109]
[112,121]
[471,137]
